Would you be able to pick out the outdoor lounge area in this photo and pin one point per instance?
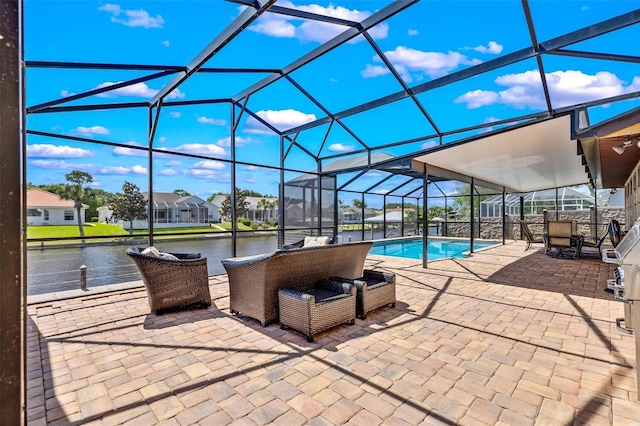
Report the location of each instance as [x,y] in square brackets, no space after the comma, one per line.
[220,136]
[503,337]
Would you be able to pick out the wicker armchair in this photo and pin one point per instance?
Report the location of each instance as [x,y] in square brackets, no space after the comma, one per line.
[375,289]
[173,283]
[328,304]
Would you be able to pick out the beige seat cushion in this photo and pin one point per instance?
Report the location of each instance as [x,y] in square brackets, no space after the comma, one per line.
[316,241]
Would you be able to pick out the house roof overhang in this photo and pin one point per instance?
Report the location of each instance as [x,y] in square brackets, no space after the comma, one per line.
[527,158]
[610,169]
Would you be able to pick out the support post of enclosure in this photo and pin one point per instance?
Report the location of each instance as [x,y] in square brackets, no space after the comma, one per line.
[425,230]
[12,225]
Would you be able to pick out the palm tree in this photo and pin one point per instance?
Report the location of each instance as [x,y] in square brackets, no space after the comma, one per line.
[76,190]
[263,204]
[273,204]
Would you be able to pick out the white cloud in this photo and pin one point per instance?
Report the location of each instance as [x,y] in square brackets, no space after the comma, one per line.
[138,89]
[314,31]
[214,121]
[119,170]
[429,144]
[201,173]
[371,71]
[175,114]
[413,64]
[338,147]
[66,93]
[486,121]
[173,163]
[493,48]
[94,169]
[57,164]
[190,148]
[240,141]
[129,152]
[209,164]
[139,170]
[168,172]
[165,43]
[412,33]
[162,139]
[281,120]
[132,18]
[251,168]
[478,98]
[55,151]
[91,131]
[201,149]
[565,88]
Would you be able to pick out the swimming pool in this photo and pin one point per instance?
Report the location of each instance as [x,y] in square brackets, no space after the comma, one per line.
[437,248]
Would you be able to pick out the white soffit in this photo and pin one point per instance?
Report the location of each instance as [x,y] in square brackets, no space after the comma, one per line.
[531,158]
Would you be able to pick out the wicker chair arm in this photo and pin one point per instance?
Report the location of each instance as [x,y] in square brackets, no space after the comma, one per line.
[378,275]
[339,286]
[294,294]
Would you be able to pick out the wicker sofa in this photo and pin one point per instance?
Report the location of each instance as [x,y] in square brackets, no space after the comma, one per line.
[254,281]
[173,283]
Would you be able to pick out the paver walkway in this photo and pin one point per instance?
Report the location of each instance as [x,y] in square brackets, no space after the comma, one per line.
[502,337]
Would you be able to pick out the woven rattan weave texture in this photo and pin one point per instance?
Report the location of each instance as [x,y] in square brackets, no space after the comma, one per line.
[173,283]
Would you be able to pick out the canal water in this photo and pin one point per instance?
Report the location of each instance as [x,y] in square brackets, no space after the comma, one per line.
[53,269]
[58,269]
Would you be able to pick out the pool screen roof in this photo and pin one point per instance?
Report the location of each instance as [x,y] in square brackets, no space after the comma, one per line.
[501,91]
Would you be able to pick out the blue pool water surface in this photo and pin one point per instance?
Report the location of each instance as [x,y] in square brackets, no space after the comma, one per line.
[437,248]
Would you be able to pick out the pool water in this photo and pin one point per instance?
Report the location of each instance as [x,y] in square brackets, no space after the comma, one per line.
[437,248]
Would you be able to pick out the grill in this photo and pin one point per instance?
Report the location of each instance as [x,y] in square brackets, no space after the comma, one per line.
[626,285]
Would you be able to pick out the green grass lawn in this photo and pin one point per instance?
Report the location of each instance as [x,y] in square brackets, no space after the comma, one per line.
[58,231]
[104,229]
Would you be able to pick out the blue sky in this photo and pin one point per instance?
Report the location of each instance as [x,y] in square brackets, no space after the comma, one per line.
[427,41]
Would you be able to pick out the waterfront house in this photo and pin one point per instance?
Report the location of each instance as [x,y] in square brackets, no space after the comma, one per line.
[47,208]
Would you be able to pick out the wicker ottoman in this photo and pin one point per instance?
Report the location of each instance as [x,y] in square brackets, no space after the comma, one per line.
[375,289]
[328,304]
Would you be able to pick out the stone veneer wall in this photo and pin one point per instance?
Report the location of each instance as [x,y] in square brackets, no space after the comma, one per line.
[491,228]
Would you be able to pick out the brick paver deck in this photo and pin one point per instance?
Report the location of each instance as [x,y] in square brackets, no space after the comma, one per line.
[502,337]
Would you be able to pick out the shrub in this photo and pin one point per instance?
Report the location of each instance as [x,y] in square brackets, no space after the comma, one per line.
[246,222]
[254,225]
[94,218]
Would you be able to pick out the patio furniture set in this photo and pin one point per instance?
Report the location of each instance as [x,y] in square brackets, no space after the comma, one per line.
[562,240]
[308,289]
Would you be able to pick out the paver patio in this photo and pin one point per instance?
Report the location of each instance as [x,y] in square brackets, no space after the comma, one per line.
[503,337]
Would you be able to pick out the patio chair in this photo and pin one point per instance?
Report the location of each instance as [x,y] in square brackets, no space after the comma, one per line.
[560,237]
[529,236]
[172,280]
[586,243]
[615,234]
